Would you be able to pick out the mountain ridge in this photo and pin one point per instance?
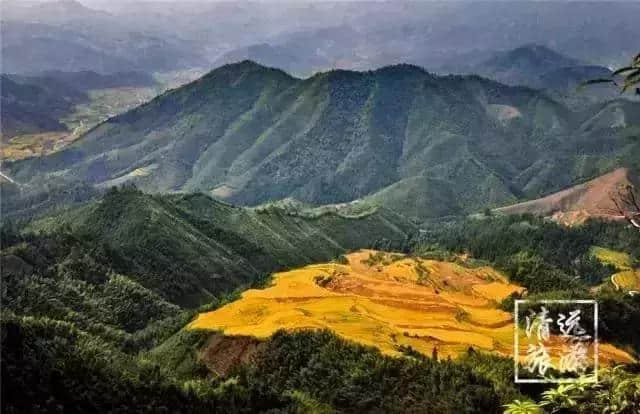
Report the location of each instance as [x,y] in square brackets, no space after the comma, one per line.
[249,134]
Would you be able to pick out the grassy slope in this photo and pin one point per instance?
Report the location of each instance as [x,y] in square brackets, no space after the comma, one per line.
[250,134]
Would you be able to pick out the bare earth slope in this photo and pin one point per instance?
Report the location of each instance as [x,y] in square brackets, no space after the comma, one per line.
[581,202]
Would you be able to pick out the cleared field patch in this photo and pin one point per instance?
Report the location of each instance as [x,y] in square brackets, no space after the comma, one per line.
[32,145]
[104,104]
[503,113]
[628,278]
[620,260]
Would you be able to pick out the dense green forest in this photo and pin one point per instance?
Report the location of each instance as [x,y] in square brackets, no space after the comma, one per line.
[51,366]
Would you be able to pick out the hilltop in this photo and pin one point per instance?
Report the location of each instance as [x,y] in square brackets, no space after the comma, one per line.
[398,136]
[540,67]
[524,65]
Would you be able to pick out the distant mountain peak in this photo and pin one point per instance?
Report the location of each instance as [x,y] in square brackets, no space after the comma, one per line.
[237,69]
[534,55]
[536,48]
[68,8]
[524,64]
[401,68]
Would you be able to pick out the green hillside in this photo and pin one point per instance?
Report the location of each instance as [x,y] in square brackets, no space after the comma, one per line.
[89,291]
[249,134]
[190,249]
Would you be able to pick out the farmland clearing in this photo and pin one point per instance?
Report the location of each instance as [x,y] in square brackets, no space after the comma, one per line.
[388,301]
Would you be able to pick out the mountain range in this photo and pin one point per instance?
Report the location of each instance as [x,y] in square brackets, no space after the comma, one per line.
[315,232]
[447,37]
[399,137]
[304,37]
[65,35]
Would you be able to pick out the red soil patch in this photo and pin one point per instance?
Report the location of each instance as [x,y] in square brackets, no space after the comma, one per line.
[577,204]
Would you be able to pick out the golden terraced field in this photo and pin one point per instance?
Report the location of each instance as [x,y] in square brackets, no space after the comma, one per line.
[628,277]
[384,300]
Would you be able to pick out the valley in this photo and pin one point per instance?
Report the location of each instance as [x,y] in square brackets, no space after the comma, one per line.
[77,102]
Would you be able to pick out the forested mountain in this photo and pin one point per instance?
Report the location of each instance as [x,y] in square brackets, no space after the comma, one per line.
[540,67]
[524,65]
[398,136]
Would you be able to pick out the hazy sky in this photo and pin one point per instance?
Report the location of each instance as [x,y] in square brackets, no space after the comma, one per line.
[105,2]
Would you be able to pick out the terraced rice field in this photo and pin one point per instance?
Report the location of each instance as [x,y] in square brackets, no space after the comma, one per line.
[628,277]
[384,300]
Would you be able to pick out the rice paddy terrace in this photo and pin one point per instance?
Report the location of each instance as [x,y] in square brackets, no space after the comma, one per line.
[628,276]
[386,301]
